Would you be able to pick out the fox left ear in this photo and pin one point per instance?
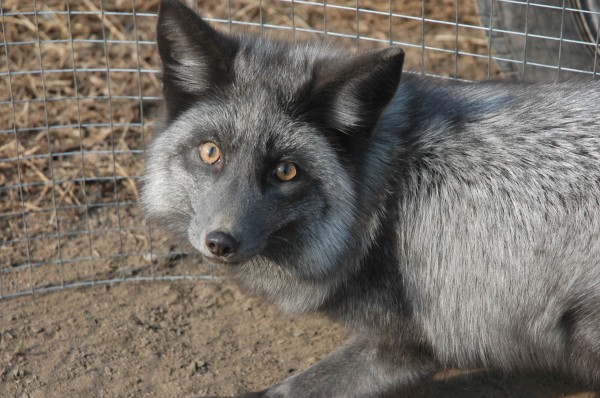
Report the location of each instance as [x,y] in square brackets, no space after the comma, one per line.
[195,57]
[355,94]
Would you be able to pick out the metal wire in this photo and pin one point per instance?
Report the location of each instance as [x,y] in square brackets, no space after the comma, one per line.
[597,52]
[562,31]
[490,41]
[525,41]
[21,205]
[60,205]
[81,151]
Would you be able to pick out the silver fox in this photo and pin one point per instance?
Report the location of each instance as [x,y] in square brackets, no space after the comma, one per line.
[444,224]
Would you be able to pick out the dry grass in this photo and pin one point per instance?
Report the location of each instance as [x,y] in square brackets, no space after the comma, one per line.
[75,116]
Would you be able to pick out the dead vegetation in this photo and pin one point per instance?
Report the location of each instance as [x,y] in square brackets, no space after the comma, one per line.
[79,94]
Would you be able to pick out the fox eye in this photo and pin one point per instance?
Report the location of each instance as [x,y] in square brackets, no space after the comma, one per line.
[210,153]
[285,171]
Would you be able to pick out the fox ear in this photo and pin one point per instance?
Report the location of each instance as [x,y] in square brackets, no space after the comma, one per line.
[355,94]
[195,57]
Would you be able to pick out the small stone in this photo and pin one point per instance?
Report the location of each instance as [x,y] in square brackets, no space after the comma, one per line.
[198,366]
[37,329]
[312,360]
[18,373]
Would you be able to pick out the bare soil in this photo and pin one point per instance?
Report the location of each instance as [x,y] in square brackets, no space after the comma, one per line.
[186,339]
[73,216]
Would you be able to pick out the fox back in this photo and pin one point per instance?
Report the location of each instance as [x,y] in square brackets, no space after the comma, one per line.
[445,224]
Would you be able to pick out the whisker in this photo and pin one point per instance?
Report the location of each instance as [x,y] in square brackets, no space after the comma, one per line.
[281,238]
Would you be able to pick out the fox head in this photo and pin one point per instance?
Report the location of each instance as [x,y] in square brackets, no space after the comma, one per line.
[260,158]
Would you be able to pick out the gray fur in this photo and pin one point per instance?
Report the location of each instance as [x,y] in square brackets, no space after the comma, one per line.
[461,229]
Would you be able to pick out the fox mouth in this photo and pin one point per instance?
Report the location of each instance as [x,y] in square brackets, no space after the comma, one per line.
[234,259]
[221,260]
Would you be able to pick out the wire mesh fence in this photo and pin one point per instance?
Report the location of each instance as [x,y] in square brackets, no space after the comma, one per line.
[80,95]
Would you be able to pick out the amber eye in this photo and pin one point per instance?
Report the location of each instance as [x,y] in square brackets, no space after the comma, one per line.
[285,171]
[210,152]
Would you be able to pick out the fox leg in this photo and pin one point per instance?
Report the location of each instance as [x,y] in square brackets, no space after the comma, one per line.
[361,368]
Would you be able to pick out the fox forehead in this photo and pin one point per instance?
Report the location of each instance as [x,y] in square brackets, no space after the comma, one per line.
[258,106]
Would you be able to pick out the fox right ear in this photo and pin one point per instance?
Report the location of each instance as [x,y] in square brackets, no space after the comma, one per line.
[195,57]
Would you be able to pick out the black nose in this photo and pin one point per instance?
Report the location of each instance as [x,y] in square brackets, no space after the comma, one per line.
[221,244]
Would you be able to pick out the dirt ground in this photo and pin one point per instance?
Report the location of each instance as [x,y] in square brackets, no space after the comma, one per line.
[73,217]
[187,339]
